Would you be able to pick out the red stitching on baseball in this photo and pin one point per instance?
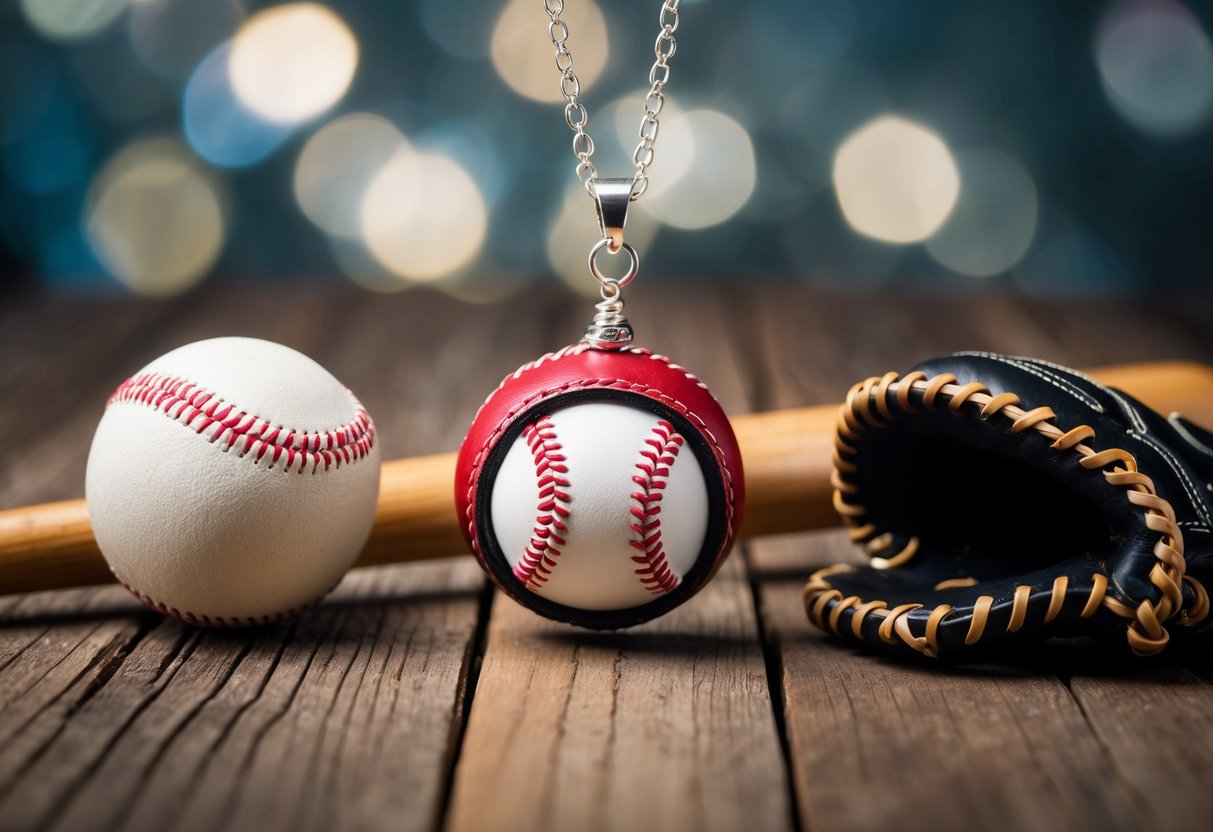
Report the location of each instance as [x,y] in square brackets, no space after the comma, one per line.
[219,621]
[551,472]
[200,410]
[657,458]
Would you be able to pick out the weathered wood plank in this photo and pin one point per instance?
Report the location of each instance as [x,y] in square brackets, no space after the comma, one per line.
[877,742]
[1010,746]
[1154,721]
[668,725]
[349,716]
[63,648]
[111,717]
[344,713]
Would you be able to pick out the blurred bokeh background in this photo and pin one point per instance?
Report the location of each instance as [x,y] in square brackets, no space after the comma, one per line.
[148,146]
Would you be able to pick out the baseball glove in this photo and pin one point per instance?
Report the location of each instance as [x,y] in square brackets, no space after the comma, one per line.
[1004,500]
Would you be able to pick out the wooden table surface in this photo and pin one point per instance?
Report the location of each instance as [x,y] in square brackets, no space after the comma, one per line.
[416,698]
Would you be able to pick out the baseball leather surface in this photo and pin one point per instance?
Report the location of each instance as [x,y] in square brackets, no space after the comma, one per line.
[232,481]
[600,488]
[595,506]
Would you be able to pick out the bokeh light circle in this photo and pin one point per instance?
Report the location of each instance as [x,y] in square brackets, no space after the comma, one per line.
[672,155]
[71,19]
[217,125]
[895,180]
[522,51]
[1156,65]
[292,62]
[361,267]
[422,216]
[994,221]
[337,165]
[154,217]
[478,146]
[717,180]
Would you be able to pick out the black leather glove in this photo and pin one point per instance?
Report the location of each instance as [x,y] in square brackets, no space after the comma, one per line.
[1004,500]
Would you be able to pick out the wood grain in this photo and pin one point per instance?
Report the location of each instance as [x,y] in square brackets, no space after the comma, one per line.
[878,743]
[732,712]
[1153,723]
[112,717]
[148,723]
[666,726]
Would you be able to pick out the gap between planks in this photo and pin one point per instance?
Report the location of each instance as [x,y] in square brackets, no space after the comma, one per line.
[111,717]
[95,695]
[877,743]
[664,726]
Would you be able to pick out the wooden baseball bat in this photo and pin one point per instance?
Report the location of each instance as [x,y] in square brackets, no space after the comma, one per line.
[787,464]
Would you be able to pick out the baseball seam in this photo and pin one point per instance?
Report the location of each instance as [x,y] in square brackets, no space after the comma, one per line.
[551,474]
[219,621]
[657,457]
[252,436]
[604,384]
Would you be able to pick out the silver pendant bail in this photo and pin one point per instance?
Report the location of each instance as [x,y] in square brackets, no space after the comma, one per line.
[610,330]
[612,198]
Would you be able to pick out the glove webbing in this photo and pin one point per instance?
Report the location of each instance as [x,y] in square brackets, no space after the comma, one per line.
[867,406]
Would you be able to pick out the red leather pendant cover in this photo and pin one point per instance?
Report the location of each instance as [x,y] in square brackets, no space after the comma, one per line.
[580,372]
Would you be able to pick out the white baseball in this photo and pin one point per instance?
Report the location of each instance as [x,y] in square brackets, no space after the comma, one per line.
[232,481]
[600,506]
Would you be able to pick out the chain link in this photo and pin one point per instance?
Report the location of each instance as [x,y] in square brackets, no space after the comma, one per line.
[578,118]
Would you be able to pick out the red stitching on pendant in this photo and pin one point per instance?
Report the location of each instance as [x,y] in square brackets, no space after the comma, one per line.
[551,472]
[601,384]
[657,457]
[251,436]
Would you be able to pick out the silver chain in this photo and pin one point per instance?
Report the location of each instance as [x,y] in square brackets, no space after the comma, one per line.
[578,118]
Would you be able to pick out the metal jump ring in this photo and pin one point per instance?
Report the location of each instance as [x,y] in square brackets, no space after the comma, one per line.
[597,272]
[610,291]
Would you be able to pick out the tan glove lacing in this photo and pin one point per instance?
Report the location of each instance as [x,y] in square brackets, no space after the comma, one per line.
[867,406]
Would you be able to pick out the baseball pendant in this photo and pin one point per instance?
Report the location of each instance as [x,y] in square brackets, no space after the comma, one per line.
[600,487]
